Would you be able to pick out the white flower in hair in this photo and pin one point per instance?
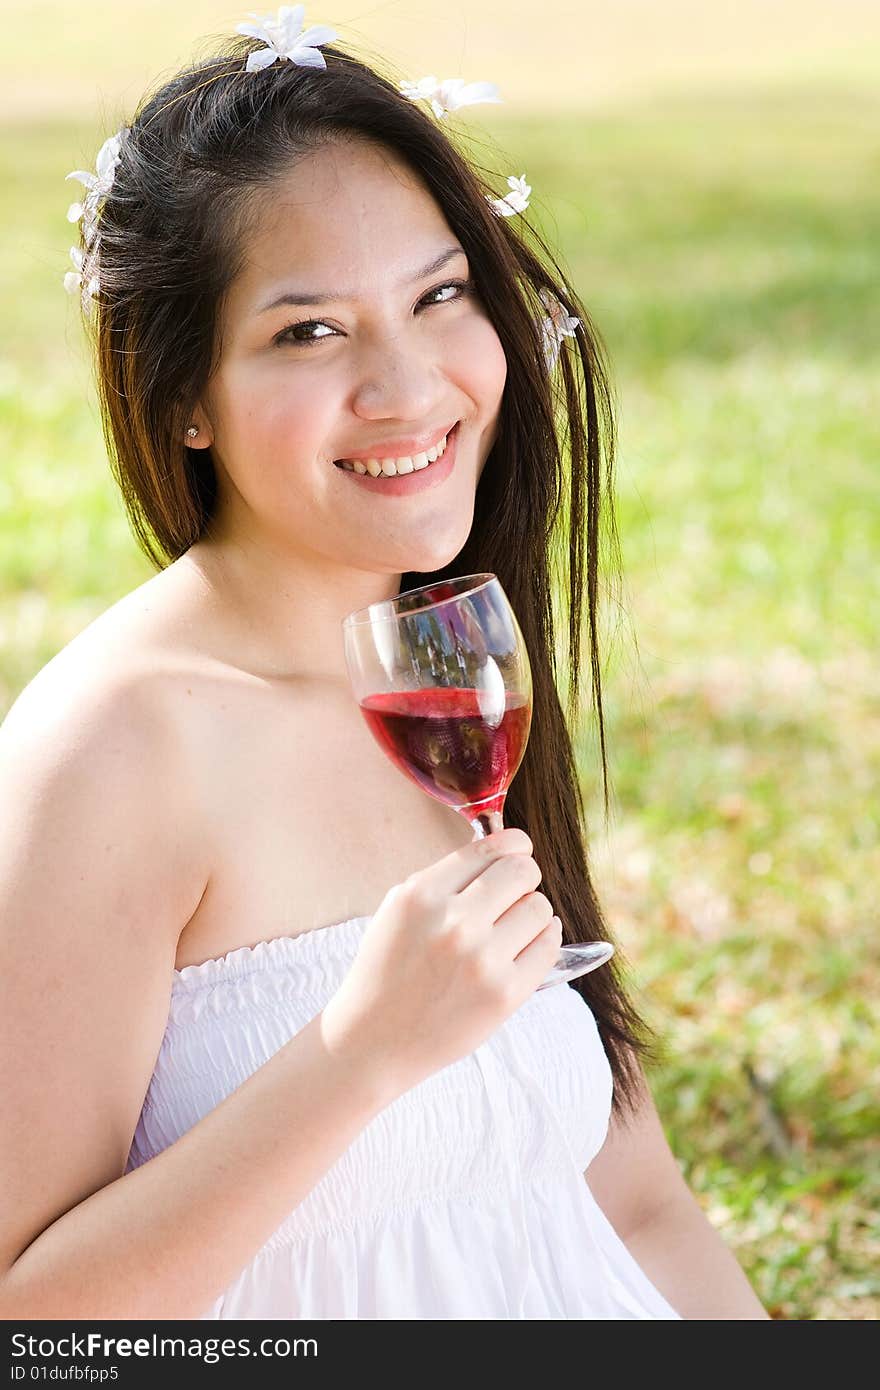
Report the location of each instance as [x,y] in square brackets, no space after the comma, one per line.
[517,200]
[284,38]
[73,280]
[97,185]
[450,94]
[555,325]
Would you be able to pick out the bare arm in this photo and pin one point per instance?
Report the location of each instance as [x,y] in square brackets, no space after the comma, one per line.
[99,870]
[688,1261]
[166,1239]
[637,1182]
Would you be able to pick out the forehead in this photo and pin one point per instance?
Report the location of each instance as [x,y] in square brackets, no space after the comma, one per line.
[343,215]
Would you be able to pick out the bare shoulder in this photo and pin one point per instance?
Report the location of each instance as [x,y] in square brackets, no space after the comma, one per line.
[129,658]
[127,644]
[107,709]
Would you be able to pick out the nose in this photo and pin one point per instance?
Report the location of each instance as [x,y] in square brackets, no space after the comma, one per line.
[400,380]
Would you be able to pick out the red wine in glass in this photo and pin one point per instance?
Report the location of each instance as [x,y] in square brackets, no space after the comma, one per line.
[442,677]
[440,738]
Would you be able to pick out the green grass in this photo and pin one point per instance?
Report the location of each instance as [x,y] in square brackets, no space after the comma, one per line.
[727,249]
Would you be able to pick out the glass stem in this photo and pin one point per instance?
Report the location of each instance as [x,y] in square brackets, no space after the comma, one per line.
[486,823]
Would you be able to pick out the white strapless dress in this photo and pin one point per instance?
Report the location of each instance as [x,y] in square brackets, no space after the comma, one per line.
[463,1198]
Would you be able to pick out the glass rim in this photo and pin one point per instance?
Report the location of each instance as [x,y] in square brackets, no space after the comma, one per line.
[370,615]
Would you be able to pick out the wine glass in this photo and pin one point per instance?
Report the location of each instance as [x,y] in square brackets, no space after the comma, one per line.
[441,674]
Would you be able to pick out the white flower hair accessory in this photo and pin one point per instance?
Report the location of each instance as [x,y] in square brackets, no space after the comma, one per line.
[450,94]
[97,185]
[73,280]
[517,200]
[284,38]
[555,325]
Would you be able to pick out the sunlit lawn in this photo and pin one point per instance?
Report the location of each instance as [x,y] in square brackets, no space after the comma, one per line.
[728,249]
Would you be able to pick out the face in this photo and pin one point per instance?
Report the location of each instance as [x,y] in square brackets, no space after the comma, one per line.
[395,352]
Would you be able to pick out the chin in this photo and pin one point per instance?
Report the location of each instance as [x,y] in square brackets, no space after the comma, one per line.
[433,557]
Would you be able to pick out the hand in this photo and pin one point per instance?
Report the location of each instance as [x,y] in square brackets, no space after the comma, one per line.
[450,953]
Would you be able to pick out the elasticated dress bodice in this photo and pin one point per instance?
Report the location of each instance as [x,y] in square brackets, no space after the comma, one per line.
[463,1198]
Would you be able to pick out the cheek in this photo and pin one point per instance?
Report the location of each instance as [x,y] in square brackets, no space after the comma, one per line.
[480,365]
[272,412]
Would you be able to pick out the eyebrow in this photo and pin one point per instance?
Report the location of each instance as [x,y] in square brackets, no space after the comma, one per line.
[318,297]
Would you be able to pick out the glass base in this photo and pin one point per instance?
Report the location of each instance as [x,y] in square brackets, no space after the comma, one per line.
[577,960]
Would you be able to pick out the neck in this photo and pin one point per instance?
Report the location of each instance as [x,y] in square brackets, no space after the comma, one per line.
[281,615]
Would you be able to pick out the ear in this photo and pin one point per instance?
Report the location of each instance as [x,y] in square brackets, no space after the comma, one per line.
[199,420]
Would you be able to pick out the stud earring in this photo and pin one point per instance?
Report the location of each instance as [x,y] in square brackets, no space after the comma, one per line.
[193,431]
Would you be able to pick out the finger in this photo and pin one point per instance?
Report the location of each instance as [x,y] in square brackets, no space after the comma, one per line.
[516,929]
[545,948]
[501,884]
[456,870]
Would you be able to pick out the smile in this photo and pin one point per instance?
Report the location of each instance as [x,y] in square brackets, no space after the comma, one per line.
[397,477]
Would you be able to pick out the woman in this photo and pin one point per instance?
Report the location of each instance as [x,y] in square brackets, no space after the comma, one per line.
[222,1106]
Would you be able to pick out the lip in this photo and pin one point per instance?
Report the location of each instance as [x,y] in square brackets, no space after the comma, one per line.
[405,483]
[405,448]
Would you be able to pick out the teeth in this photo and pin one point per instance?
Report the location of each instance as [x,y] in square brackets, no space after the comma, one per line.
[390,468]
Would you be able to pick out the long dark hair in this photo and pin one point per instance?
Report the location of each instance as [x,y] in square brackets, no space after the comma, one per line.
[171,239]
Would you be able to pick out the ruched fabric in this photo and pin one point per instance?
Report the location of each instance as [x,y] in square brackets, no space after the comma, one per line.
[463,1198]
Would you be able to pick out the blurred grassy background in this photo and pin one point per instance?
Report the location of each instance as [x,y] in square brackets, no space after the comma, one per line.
[710,174]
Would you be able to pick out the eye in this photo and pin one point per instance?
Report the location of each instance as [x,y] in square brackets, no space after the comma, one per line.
[290,335]
[463,286]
